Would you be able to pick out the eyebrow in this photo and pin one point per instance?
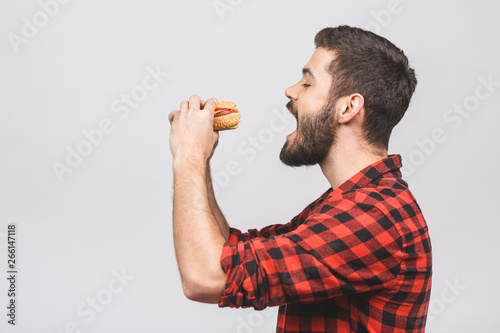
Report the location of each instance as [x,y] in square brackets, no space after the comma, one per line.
[308,71]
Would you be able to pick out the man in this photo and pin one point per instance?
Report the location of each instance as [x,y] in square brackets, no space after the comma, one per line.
[358,259]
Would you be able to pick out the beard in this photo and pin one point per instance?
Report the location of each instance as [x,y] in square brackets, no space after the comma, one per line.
[314,137]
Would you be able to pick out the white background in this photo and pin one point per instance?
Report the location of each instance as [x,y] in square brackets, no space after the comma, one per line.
[112,212]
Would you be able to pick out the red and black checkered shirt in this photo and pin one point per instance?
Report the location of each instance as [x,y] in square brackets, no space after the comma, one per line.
[358,259]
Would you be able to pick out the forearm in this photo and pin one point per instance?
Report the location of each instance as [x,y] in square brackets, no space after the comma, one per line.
[219,216]
[198,240]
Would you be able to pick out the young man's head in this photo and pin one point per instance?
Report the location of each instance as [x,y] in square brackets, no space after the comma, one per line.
[354,78]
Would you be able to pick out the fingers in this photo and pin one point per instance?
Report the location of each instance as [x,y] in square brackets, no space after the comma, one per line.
[184,106]
[210,104]
[171,115]
[194,103]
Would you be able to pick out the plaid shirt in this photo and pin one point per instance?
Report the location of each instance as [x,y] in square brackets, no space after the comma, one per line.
[358,259]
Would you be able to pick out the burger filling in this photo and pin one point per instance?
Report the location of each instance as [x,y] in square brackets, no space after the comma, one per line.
[224,112]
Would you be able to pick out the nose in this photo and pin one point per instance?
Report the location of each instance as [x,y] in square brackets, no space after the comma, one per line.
[292,92]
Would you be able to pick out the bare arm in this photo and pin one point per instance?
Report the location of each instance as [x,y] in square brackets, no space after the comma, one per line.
[219,216]
[198,240]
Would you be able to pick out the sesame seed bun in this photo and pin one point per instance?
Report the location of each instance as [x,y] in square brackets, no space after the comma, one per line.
[226,116]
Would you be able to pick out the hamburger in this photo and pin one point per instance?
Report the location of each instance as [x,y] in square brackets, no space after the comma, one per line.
[226,116]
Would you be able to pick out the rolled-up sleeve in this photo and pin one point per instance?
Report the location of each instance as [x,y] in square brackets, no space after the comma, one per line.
[236,235]
[345,248]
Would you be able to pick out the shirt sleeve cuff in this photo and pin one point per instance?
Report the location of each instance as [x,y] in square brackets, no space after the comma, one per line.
[235,236]
[240,286]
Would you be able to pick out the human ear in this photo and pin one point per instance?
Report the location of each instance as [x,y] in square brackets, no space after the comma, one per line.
[350,107]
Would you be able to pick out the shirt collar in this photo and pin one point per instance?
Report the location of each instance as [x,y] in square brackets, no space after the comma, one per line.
[392,163]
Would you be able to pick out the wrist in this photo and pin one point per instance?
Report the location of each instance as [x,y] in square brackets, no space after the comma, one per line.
[182,164]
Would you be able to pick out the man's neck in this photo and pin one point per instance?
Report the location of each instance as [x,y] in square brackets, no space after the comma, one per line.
[344,161]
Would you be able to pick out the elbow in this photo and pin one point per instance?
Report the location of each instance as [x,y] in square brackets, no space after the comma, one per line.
[194,292]
[203,289]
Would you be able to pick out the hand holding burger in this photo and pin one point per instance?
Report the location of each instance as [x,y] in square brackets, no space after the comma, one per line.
[189,135]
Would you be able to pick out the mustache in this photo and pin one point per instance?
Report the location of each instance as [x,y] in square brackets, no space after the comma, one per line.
[291,107]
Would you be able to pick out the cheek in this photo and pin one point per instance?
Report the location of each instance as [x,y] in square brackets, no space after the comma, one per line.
[320,94]
[314,102]
[306,111]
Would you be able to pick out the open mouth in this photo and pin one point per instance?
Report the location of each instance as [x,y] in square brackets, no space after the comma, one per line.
[291,107]
[291,135]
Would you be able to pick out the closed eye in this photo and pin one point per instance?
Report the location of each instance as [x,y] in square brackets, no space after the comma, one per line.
[305,85]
